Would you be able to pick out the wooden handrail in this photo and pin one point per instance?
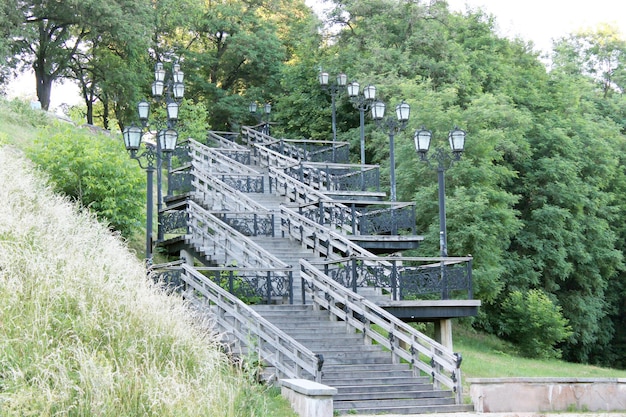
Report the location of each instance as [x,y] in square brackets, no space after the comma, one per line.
[271,344]
[214,161]
[404,342]
[226,143]
[207,231]
[229,198]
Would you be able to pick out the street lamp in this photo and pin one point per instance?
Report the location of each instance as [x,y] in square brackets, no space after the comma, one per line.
[165,142]
[267,109]
[393,126]
[362,102]
[342,80]
[456,138]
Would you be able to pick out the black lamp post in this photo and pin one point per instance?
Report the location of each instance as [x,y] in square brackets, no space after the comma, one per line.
[393,126]
[444,159]
[267,109]
[362,102]
[165,141]
[342,80]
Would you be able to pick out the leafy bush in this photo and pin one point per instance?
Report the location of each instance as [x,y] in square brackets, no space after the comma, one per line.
[84,333]
[94,170]
[533,322]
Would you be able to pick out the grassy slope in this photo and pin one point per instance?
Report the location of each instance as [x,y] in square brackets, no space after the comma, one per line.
[486,356]
[84,332]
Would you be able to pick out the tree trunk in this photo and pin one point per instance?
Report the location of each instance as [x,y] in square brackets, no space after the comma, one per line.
[105,113]
[44,87]
[89,104]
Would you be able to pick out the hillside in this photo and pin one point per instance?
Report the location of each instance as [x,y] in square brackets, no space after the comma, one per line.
[84,331]
[85,328]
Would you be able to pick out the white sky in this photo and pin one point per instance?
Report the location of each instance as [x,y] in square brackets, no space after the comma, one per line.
[540,21]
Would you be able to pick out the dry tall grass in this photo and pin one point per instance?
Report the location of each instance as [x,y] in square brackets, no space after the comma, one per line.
[83,332]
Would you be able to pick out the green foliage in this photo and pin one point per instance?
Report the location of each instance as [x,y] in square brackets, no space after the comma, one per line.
[94,335]
[93,170]
[534,323]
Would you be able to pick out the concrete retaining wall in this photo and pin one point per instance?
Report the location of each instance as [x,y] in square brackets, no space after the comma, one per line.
[497,395]
[308,398]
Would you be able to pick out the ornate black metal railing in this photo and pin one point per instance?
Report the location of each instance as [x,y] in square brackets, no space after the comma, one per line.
[249,224]
[379,219]
[311,150]
[404,278]
[241,156]
[243,183]
[250,285]
[179,182]
[223,139]
[300,149]
[336,177]
[174,221]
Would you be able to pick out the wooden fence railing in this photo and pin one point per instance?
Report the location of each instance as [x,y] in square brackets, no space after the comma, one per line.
[426,356]
[290,358]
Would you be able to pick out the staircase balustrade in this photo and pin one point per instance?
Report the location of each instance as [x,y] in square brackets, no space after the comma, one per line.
[214,194]
[404,342]
[209,234]
[345,216]
[225,140]
[270,344]
[323,241]
[299,149]
[213,160]
[404,278]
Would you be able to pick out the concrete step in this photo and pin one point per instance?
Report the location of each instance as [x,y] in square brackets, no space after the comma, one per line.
[390,395]
[343,407]
[351,382]
[374,387]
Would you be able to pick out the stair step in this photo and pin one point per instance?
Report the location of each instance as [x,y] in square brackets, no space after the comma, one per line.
[415,409]
[366,389]
[390,395]
[391,403]
[349,381]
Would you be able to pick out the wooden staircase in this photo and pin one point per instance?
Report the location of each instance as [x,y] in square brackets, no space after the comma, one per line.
[368,377]
[367,380]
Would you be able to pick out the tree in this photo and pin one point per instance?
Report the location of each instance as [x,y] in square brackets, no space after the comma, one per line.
[599,54]
[534,323]
[237,49]
[52,33]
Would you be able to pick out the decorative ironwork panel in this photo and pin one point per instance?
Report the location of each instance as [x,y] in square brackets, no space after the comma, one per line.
[458,278]
[250,224]
[390,220]
[243,157]
[341,273]
[179,183]
[252,287]
[174,222]
[170,277]
[377,276]
[420,281]
[330,215]
[411,282]
[428,280]
[245,184]
[180,156]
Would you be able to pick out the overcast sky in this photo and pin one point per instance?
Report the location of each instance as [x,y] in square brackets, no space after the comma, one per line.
[544,20]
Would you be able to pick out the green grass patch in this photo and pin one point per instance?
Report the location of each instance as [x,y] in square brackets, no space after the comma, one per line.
[84,331]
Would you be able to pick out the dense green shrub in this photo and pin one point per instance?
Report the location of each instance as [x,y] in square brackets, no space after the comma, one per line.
[532,321]
[94,170]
